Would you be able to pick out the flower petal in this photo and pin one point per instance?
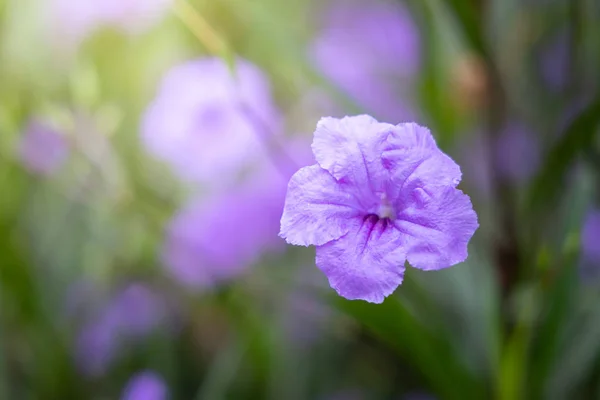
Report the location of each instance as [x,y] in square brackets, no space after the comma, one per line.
[216,238]
[439,222]
[367,263]
[350,149]
[317,208]
[414,160]
[206,124]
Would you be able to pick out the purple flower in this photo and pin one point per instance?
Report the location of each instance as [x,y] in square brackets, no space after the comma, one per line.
[132,314]
[590,237]
[371,52]
[554,62]
[137,310]
[206,123]
[216,238]
[379,195]
[418,396]
[517,153]
[42,149]
[96,345]
[346,394]
[145,386]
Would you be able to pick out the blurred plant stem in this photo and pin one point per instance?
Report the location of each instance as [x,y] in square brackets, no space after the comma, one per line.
[257,344]
[513,364]
[471,16]
[507,245]
[4,389]
[203,31]
[557,294]
[222,371]
[575,38]
[509,384]
[274,149]
[417,343]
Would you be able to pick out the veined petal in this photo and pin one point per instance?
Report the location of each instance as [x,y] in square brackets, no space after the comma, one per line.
[350,149]
[367,263]
[438,223]
[414,160]
[317,208]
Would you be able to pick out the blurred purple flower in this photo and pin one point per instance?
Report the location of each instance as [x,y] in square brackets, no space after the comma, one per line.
[76,19]
[96,345]
[133,313]
[145,386]
[216,238]
[554,62]
[207,124]
[379,194]
[372,53]
[517,153]
[590,238]
[137,310]
[42,149]
[346,394]
[418,396]
[517,157]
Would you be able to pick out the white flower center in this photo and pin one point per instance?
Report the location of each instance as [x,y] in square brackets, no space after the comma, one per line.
[386,210]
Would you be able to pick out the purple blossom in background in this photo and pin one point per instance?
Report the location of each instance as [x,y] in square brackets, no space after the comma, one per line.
[76,19]
[379,195]
[346,394]
[42,150]
[145,386]
[517,157]
[138,310]
[371,51]
[133,313]
[207,124]
[96,345]
[554,62]
[216,238]
[517,153]
[418,396]
[590,238]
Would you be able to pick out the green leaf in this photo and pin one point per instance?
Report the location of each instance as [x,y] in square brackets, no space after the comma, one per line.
[222,372]
[577,138]
[466,15]
[4,381]
[578,357]
[468,297]
[514,375]
[428,351]
[559,303]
